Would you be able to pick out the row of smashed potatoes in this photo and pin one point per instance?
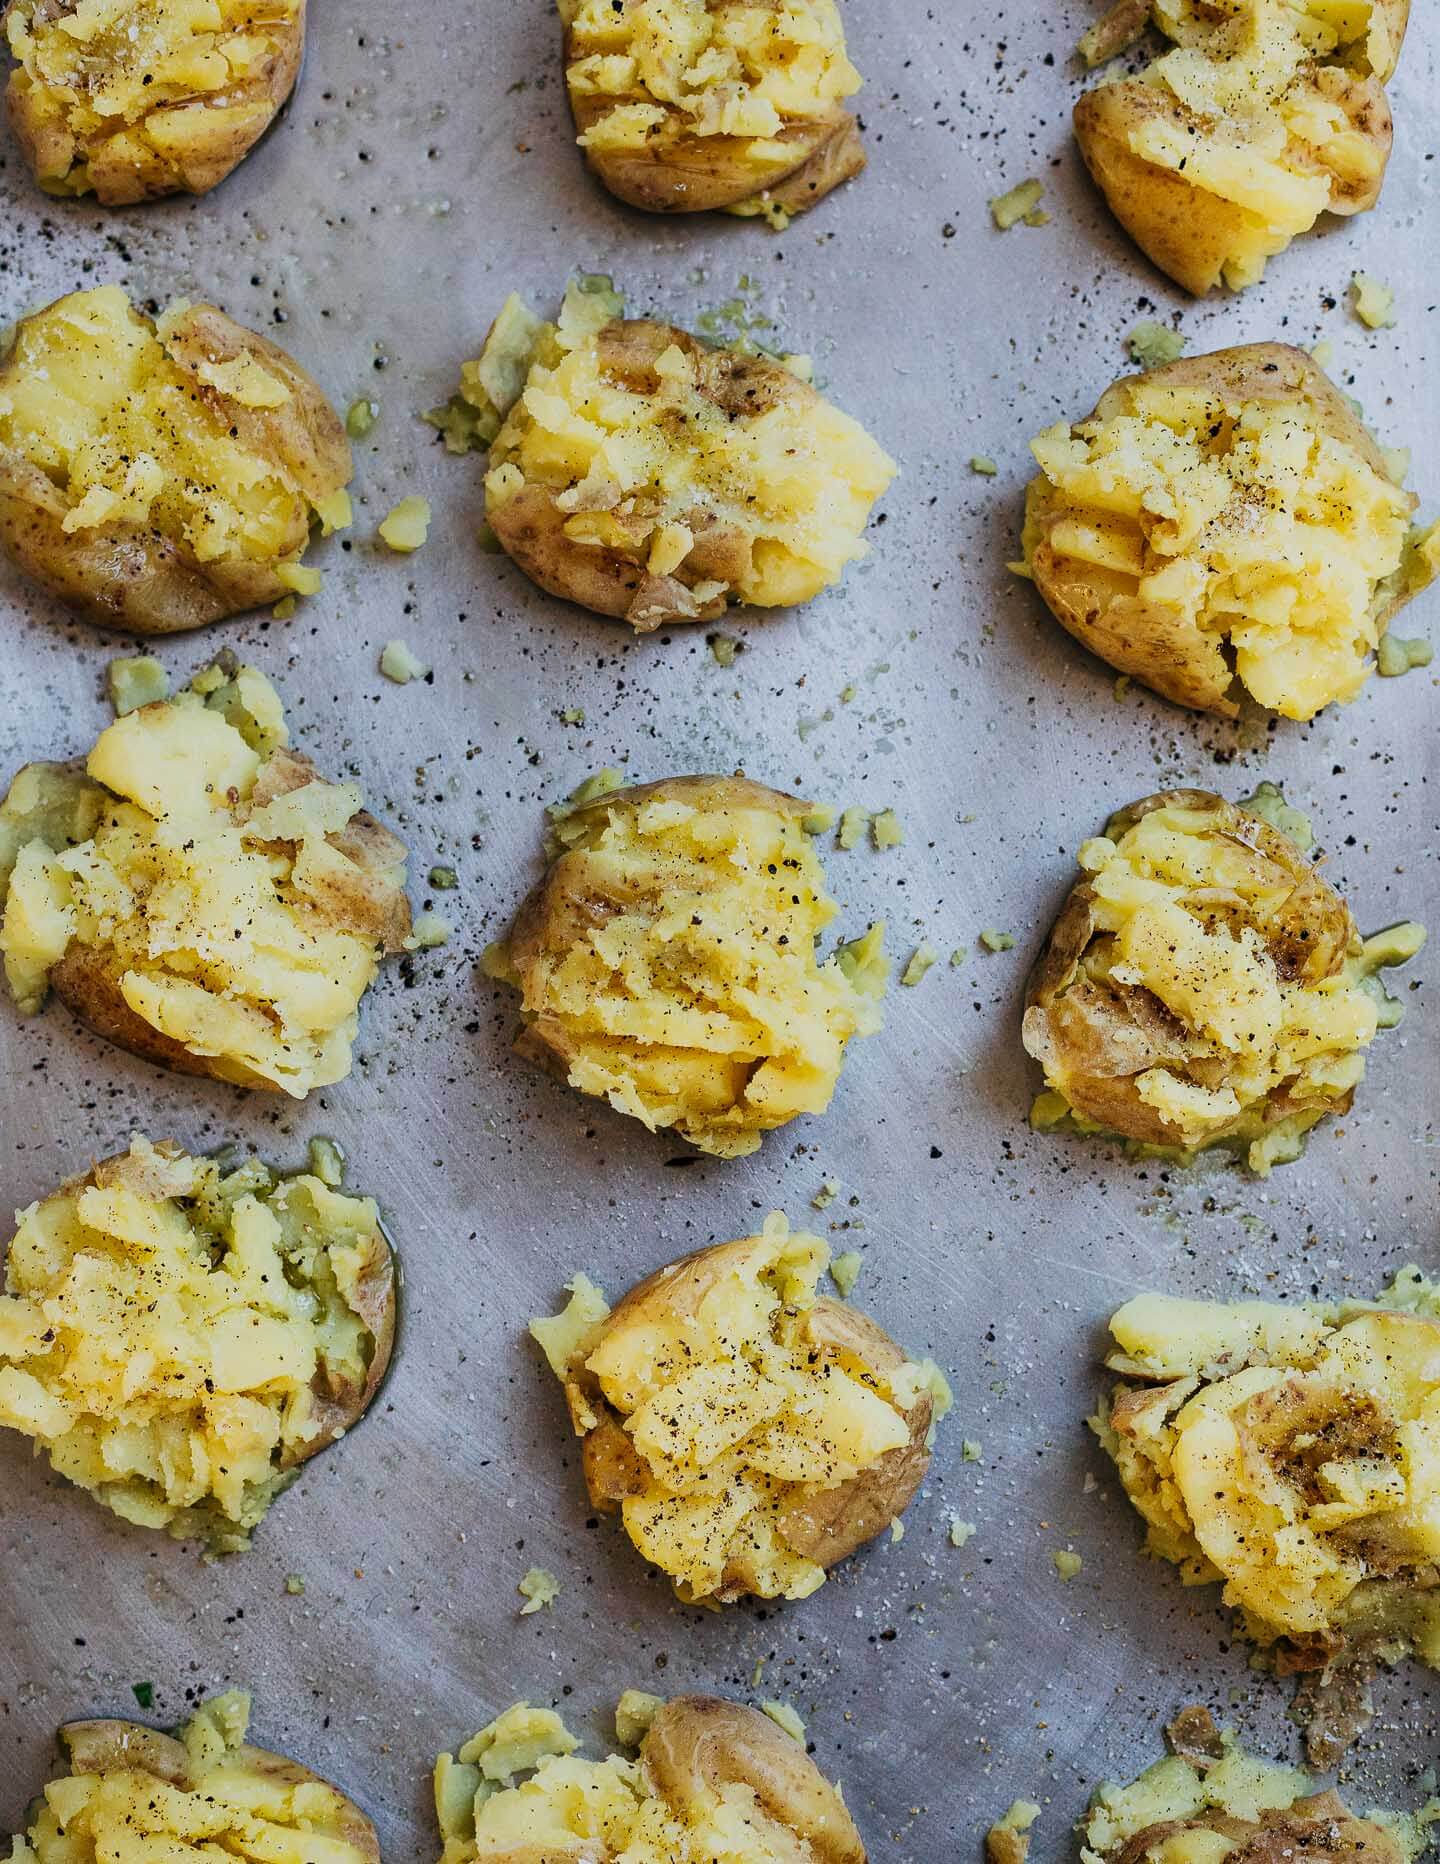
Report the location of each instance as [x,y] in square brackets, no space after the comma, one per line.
[181,1335]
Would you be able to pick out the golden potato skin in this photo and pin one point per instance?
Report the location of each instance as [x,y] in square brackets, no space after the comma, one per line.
[1106,1041]
[697,1743]
[134,578]
[122,166]
[1140,638]
[1190,233]
[827,1526]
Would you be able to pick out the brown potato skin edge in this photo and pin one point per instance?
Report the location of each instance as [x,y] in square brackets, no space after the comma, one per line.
[127,577]
[1110,1100]
[123,185]
[552,912]
[826,1527]
[703,174]
[1139,638]
[1187,233]
[95,1745]
[697,1744]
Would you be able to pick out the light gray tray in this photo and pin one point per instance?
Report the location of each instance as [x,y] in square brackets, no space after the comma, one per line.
[423,172]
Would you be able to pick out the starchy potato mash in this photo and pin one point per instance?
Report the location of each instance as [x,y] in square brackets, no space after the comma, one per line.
[1204,986]
[646,476]
[1209,1801]
[132,99]
[713,1780]
[684,105]
[132,1795]
[1292,1454]
[178,1335]
[667,961]
[750,1432]
[160,474]
[198,894]
[1262,115]
[1226,524]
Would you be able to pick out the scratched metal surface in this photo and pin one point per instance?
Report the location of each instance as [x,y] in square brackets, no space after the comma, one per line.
[419,176]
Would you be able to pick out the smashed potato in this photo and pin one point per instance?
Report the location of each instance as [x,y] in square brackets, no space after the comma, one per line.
[642,475]
[1292,1454]
[159,475]
[135,1796]
[129,100]
[713,1780]
[179,1336]
[1227,523]
[751,1433]
[1204,986]
[685,105]
[1263,115]
[198,894]
[1209,1801]
[667,962]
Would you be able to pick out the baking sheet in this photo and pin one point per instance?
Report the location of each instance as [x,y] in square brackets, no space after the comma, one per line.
[424,170]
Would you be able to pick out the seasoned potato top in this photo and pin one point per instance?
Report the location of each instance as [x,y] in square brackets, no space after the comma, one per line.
[1204,984]
[667,961]
[730,1414]
[1237,524]
[1210,1801]
[178,1335]
[135,1796]
[720,477]
[1274,110]
[714,1780]
[1293,1454]
[129,98]
[171,427]
[739,68]
[223,910]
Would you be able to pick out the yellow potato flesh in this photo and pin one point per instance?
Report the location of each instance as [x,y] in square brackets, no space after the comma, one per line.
[1173,1792]
[798,480]
[235,1803]
[1319,1450]
[701,1004]
[735,1416]
[727,68]
[1182,912]
[160,1348]
[568,1800]
[1248,521]
[210,916]
[93,399]
[131,76]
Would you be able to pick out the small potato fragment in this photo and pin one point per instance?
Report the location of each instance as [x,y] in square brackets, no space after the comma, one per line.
[1204,986]
[1227,524]
[644,475]
[1293,1456]
[179,1336]
[713,1779]
[130,100]
[130,1792]
[706,104]
[1203,1805]
[160,475]
[198,894]
[751,1433]
[1257,120]
[667,961]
